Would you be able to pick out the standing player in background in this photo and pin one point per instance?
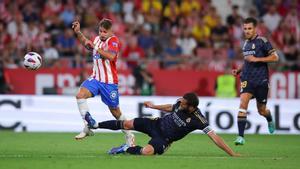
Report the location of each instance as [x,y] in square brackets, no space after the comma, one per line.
[104,80]
[258,52]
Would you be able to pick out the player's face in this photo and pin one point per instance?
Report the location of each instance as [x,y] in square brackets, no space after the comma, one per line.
[185,106]
[249,30]
[104,33]
[183,103]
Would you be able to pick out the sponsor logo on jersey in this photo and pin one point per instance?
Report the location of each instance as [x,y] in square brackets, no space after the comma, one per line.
[97,56]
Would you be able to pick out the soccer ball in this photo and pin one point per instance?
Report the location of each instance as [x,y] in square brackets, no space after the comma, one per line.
[32,61]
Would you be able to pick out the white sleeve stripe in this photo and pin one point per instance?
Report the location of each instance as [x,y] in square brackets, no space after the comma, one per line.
[207,129]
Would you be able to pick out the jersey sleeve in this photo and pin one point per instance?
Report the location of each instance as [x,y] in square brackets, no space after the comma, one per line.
[114,45]
[267,47]
[201,122]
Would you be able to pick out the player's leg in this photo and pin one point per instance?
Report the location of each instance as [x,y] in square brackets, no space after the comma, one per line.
[262,109]
[261,102]
[138,150]
[242,117]
[110,96]
[155,146]
[86,91]
[129,136]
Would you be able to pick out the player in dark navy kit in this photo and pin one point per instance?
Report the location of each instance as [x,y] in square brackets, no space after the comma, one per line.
[183,118]
[258,52]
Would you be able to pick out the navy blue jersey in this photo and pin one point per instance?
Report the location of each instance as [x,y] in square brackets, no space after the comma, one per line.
[257,72]
[179,123]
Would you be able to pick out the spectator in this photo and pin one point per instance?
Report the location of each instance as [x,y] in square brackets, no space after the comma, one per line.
[290,49]
[186,42]
[172,56]
[272,18]
[143,81]
[234,16]
[50,54]
[219,35]
[5,86]
[202,33]
[146,39]
[133,53]
[187,6]
[68,14]
[66,43]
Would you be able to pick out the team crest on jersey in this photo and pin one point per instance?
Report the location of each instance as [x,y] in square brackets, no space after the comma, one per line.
[253,46]
[115,44]
[113,95]
[188,120]
[97,56]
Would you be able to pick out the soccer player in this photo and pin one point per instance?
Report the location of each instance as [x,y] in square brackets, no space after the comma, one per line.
[104,80]
[184,117]
[258,52]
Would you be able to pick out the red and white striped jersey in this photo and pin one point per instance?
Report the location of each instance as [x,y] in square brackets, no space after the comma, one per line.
[105,70]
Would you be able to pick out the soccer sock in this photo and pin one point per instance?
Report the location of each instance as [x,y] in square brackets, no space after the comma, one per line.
[123,117]
[242,124]
[83,108]
[111,124]
[137,150]
[269,116]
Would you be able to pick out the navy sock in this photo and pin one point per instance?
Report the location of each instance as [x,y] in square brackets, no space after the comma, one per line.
[136,150]
[269,116]
[111,124]
[242,124]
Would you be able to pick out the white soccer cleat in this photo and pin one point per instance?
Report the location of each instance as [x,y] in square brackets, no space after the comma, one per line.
[86,132]
[130,139]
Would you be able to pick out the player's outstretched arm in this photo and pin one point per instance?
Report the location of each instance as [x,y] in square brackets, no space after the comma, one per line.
[83,40]
[164,107]
[220,143]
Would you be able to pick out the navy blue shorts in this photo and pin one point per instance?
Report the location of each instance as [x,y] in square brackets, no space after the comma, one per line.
[108,92]
[151,127]
[259,90]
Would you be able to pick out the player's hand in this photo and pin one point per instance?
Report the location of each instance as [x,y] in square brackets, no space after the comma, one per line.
[252,58]
[76,26]
[235,72]
[148,104]
[236,155]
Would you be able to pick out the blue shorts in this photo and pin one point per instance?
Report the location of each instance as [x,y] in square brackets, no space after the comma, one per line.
[108,92]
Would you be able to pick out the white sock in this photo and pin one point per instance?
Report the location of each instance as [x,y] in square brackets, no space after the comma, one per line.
[123,117]
[83,108]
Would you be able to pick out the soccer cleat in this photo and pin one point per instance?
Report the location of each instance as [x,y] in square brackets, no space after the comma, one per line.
[130,139]
[271,127]
[118,150]
[91,123]
[239,141]
[86,132]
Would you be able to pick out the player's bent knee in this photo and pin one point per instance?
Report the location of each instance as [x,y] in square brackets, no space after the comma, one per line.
[128,124]
[148,150]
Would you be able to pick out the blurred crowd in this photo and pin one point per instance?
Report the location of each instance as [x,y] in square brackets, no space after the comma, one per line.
[158,34]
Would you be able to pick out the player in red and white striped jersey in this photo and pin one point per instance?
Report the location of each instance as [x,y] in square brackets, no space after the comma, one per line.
[104,80]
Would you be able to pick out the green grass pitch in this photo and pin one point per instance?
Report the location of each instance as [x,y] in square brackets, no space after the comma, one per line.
[60,150]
